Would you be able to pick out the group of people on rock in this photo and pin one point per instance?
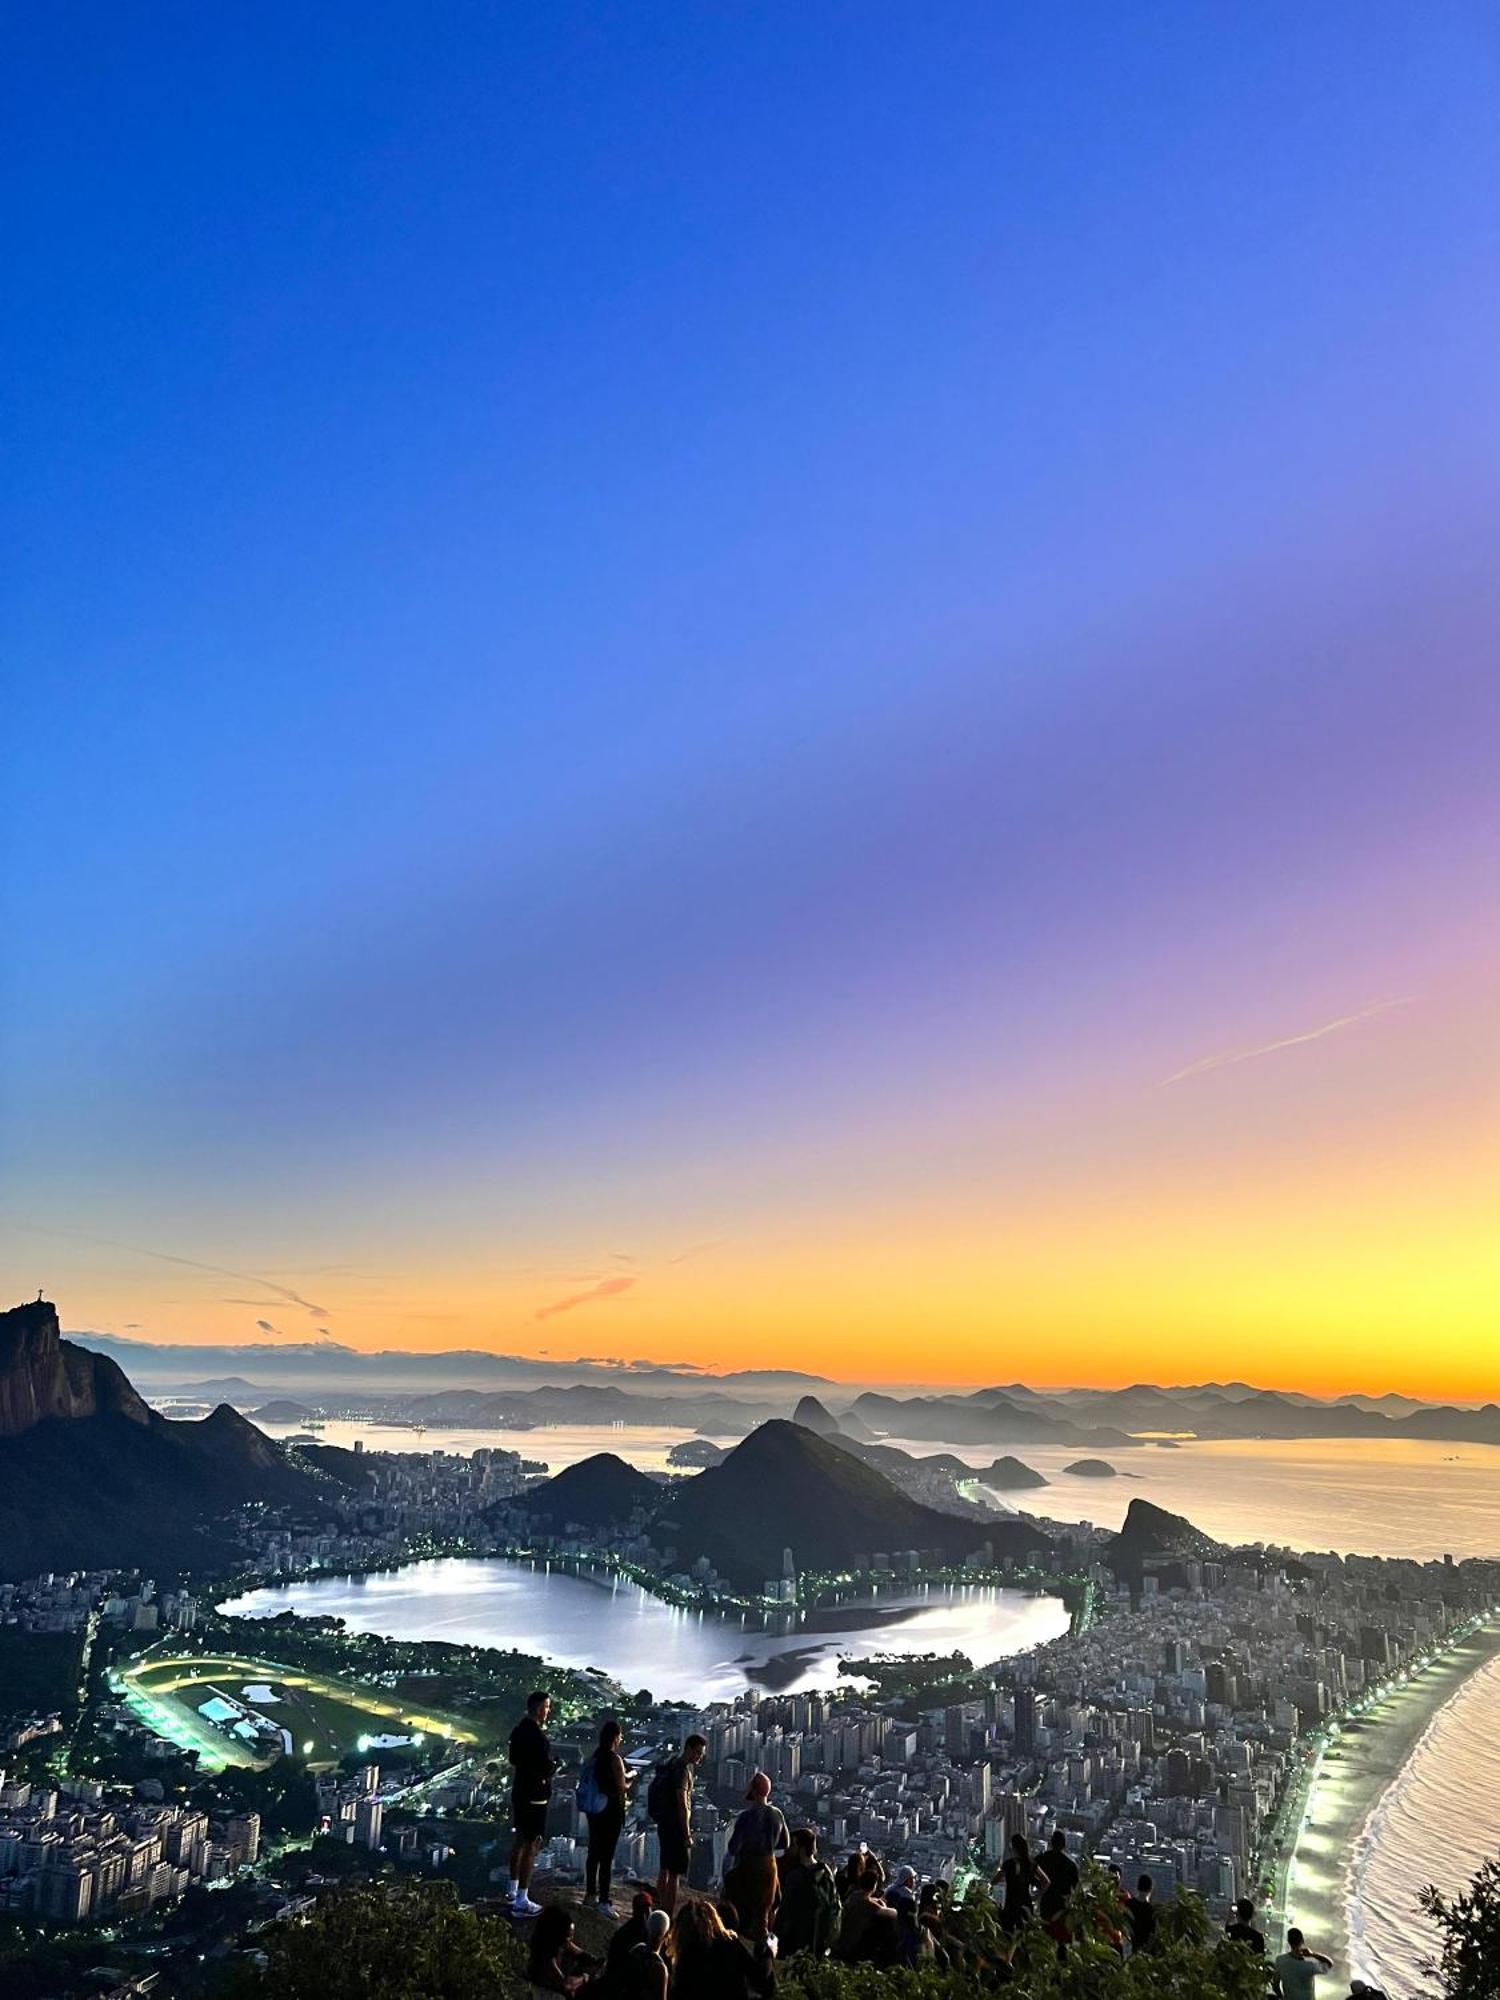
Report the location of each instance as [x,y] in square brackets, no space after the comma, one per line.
[695,1955]
[779,1896]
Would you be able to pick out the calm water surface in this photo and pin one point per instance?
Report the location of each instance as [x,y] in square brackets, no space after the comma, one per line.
[581,1621]
[1364,1496]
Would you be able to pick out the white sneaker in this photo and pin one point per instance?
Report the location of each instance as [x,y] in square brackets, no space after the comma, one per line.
[522,1906]
[605,1907]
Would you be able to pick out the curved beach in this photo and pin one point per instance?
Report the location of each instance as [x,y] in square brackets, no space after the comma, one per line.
[1352,1778]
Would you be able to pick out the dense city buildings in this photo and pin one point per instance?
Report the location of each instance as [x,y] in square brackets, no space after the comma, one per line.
[1166,1731]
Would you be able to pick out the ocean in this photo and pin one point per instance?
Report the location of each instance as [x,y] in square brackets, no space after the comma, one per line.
[1436,1823]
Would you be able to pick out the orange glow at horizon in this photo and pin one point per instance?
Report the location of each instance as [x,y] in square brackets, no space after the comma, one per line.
[1322,1221]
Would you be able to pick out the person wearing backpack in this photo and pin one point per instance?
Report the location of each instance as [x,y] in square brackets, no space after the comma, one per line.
[810,1910]
[669,1802]
[601,1798]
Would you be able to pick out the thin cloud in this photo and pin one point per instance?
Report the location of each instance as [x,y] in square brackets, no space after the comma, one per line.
[266,1326]
[637,1365]
[195,1264]
[1232,1056]
[607,1288]
[696,1250]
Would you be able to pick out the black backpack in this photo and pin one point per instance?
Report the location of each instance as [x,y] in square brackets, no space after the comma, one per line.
[661,1792]
[829,1911]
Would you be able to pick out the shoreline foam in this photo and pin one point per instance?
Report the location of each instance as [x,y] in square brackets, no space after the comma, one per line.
[1354,1777]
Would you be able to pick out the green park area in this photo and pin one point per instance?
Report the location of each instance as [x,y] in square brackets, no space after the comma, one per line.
[234,1710]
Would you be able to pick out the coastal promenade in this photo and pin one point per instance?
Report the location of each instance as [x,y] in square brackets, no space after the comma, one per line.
[1361,1756]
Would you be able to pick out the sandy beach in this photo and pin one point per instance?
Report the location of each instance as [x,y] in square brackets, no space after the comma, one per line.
[1346,1785]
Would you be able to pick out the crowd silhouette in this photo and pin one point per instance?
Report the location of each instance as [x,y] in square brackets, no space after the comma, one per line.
[780,1897]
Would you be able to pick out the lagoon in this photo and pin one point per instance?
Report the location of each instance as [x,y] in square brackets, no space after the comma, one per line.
[607,1622]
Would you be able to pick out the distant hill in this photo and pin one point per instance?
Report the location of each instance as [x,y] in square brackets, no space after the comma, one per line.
[786,1487]
[987,1417]
[1109,1418]
[1091,1468]
[811,1414]
[226,1389]
[695,1453]
[1009,1475]
[318,1362]
[598,1492]
[281,1410]
[1012,1413]
[585,1403]
[1149,1533]
[91,1476]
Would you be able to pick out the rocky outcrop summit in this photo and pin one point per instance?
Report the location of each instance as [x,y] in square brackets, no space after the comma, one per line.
[815,1416]
[42,1375]
[92,1477]
[1150,1535]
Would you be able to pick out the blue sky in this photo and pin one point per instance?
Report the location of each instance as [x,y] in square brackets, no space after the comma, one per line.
[671,619]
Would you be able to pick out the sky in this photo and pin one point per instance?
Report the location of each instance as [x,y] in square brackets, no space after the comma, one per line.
[760,685]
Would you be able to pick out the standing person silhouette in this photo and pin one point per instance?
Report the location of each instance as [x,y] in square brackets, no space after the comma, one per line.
[750,1878]
[669,1801]
[533,1767]
[606,1820]
[1299,1967]
[1058,1874]
[1017,1877]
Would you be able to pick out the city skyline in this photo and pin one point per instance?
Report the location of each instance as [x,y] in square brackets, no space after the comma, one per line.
[789,693]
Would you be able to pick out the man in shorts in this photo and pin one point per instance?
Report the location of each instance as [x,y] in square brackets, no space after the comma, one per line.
[674,1819]
[532,1767]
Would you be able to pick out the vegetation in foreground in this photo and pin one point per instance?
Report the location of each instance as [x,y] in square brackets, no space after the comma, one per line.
[416,1941]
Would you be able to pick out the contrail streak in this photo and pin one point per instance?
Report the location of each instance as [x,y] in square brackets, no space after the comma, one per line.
[192,1264]
[1205,1063]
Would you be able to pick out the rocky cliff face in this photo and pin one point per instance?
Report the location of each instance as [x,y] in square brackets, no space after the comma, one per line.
[92,1478]
[42,1375]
